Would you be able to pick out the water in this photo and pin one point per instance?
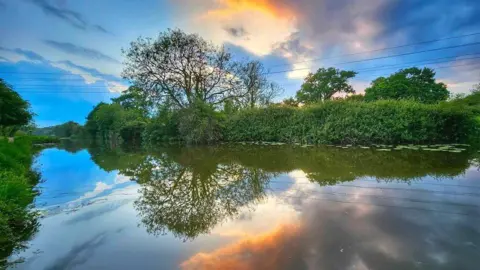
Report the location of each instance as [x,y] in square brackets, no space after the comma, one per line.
[256,207]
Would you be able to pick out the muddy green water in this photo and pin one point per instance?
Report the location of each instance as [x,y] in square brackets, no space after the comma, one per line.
[256,207]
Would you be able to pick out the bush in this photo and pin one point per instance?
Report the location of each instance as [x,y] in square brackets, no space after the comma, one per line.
[200,124]
[17,181]
[162,128]
[341,122]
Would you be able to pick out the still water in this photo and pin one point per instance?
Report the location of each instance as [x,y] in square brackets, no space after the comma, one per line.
[256,207]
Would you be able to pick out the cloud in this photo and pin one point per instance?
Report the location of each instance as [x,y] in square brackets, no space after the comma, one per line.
[236,31]
[115,87]
[79,254]
[15,55]
[71,17]
[101,29]
[268,251]
[265,26]
[90,75]
[80,51]
[334,235]
[82,70]
[303,30]
[30,55]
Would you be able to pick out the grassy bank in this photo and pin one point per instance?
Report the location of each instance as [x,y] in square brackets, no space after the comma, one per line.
[17,180]
[340,122]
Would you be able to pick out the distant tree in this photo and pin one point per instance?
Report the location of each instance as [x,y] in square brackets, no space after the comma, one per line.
[258,91]
[471,100]
[290,102]
[412,83]
[354,97]
[475,89]
[323,84]
[14,110]
[182,68]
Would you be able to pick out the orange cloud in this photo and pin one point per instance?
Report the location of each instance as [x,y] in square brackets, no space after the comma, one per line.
[268,251]
[268,7]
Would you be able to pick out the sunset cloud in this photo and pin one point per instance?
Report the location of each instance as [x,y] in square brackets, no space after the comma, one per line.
[267,251]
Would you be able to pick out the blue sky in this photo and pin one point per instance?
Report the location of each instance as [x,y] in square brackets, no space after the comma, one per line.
[64,56]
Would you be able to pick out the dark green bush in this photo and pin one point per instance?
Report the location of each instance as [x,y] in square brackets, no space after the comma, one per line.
[341,122]
[200,124]
[17,221]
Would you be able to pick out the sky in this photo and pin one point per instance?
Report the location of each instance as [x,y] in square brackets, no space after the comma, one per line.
[64,56]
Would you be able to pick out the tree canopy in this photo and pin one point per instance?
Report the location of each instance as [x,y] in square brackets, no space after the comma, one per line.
[412,83]
[257,89]
[14,110]
[182,68]
[323,84]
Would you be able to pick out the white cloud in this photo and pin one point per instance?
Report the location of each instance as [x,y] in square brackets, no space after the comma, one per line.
[116,87]
[99,188]
[120,179]
[88,78]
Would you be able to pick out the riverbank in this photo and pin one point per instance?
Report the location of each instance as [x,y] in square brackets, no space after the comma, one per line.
[18,222]
[333,122]
[381,122]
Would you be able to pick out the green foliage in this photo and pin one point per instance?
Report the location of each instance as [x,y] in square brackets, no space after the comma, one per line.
[161,128]
[14,110]
[290,102]
[471,101]
[200,124]
[341,122]
[134,98]
[43,139]
[112,122]
[412,83]
[182,68]
[323,84]
[17,221]
[67,130]
[187,191]
[355,98]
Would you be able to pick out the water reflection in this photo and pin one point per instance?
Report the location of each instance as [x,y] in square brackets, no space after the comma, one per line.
[257,207]
[188,199]
[187,191]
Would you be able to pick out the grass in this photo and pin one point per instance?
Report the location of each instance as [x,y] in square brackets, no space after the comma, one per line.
[17,181]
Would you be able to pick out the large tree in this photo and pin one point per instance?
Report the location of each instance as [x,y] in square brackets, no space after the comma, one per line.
[257,89]
[182,68]
[411,83]
[134,98]
[14,110]
[323,84]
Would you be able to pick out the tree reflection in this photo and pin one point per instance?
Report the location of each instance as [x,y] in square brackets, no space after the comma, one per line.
[187,191]
[189,199]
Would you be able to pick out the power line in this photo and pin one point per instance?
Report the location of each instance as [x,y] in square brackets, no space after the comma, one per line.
[454,58]
[381,49]
[380,57]
[361,71]
[105,92]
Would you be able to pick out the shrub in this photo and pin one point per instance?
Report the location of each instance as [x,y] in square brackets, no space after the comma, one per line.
[341,122]
[17,221]
[200,124]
